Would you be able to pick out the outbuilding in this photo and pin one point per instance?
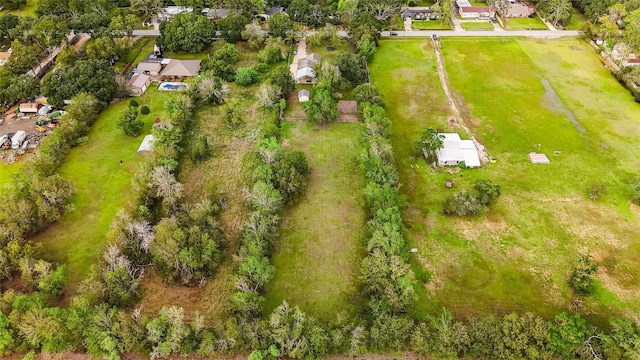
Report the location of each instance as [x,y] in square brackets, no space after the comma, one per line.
[29,108]
[139,83]
[148,68]
[147,145]
[455,150]
[303,95]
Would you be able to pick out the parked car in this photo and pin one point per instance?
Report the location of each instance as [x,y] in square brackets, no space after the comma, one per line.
[393,33]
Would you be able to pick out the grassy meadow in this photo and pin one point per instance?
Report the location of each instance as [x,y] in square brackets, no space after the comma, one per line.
[525,24]
[103,186]
[7,170]
[318,254]
[578,20]
[518,255]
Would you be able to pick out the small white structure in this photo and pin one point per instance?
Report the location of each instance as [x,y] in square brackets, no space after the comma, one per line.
[18,139]
[171,11]
[455,150]
[303,95]
[45,110]
[538,158]
[477,12]
[147,145]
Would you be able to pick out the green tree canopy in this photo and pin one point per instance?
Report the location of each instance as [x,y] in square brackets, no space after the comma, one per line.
[187,32]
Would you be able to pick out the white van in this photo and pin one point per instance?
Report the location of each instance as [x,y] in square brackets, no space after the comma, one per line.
[18,139]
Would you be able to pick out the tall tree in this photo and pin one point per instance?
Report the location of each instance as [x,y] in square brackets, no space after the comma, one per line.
[321,108]
[50,31]
[147,9]
[189,32]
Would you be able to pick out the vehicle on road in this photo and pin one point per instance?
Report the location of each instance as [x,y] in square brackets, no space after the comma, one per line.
[393,33]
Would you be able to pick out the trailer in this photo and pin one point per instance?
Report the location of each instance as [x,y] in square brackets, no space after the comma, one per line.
[18,139]
[5,142]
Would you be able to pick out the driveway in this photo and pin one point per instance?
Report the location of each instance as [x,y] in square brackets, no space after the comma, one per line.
[407,24]
[153,32]
[300,54]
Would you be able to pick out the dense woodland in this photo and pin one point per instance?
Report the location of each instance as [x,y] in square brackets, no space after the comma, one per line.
[183,240]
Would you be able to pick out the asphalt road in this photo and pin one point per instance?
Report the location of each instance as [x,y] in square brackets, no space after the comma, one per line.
[541,34]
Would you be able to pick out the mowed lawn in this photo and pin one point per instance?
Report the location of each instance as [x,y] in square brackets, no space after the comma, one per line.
[103,186]
[6,171]
[518,256]
[318,254]
[525,24]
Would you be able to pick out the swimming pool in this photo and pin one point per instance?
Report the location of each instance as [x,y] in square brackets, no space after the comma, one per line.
[173,86]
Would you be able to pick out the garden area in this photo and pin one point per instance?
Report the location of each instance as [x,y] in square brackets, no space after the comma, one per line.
[498,261]
[320,247]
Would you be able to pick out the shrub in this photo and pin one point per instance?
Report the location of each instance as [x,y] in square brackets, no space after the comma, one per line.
[596,190]
[581,280]
[144,110]
[200,150]
[486,191]
[246,76]
[462,203]
[133,103]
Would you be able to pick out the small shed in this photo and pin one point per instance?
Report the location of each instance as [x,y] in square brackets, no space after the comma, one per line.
[18,139]
[303,95]
[538,158]
[347,107]
[29,108]
[147,145]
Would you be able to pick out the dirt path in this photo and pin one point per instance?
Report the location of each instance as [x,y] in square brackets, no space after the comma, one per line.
[482,151]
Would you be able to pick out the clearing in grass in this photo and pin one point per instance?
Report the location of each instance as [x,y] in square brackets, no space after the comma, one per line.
[103,186]
[517,256]
[318,255]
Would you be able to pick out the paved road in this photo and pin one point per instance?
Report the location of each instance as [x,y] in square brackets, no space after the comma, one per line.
[154,32]
[541,34]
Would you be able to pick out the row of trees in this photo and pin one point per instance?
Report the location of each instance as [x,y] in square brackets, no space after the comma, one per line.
[27,323]
[385,273]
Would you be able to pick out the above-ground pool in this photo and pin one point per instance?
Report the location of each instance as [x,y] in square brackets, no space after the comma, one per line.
[175,86]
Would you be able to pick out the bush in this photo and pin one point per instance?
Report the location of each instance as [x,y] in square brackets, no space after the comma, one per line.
[129,122]
[596,190]
[133,103]
[200,151]
[486,191]
[144,110]
[462,203]
[246,76]
[581,280]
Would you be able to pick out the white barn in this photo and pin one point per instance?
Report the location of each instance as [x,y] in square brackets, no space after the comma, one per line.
[455,150]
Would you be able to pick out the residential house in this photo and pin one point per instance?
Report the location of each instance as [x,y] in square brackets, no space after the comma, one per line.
[181,68]
[303,95]
[139,83]
[305,73]
[418,13]
[519,10]
[148,68]
[216,14]
[455,150]
[273,11]
[476,12]
[171,11]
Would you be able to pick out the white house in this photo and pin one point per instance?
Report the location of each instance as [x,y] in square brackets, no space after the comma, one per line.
[455,150]
[171,11]
[305,73]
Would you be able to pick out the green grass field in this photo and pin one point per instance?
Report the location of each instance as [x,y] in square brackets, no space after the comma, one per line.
[517,257]
[430,25]
[27,10]
[140,50]
[103,187]
[525,24]
[578,20]
[477,26]
[7,170]
[318,254]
